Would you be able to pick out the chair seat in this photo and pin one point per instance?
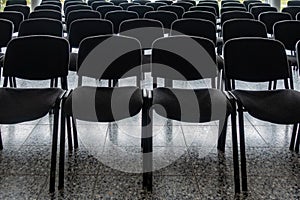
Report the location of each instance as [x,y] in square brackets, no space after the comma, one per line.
[103,104]
[73,62]
[292,60]
[276,106]
[20,105]
[200,105]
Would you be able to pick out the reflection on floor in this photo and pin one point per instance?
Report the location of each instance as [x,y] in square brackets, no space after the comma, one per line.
[187,163]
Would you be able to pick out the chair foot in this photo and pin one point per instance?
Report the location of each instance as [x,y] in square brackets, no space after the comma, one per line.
[293,138]
[1,143]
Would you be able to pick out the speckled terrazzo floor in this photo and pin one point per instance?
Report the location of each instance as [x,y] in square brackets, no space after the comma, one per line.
[197,172]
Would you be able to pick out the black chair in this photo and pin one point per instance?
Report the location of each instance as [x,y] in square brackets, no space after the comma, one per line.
[189,1]
[117,17]
[229,1]
[34,63]
[230,9]
[90,2]
[246,3]
[126,5]
[185,5]
[257,10]
[293,3]
[83,28]
[7,29]
[155,5]
[270,18]
[251,5]
[140,9]
[41,27]
[118,2]
[298,17]
[16,2]
[56,3]
[165,17]
[45,14]
[105,9]
[76,8]
[191,105]
[141,2]
[210,4]
[178,10]
[81,14]
[243,63]
[232,4]
[96,4]
[204,8]
[15,17]
[235,15]
[73,3]
[200,15]
[48,7]
[168,2]
[25,10]
[292,10]
[43,1]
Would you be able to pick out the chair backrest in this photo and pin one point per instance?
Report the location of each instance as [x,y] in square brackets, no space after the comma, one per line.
[189,1]
[287,32]
[155,5]
[16,2]
[257,10]
[168,2]
[255,60]
[113,57]
[96,4]
[34,62]
[229,1]
[15,17]
[25,10]
[178,10]
[7,28]
[210,4]
[204,8]
[43,1]
[200,15]
[165,17]
[83,28]
[229,9]
[145,30]
[73,3]
[118,2]
[233,4]
[117,17]
[246,3]
[293,3]
[141,2]
[270,18]
[235,15]
[237,28]
[140,10]
[56,3]
[51,14]
[298,53]
[196,54]
[89,2]
[41,27]
[76,7]
[126,5]
[185,5]
[105,9]
[81,14]
[251,5]
[48,7]
[292,10]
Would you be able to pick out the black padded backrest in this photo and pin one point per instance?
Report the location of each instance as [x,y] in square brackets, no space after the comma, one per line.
[6,32]
[16,2]
[48,7]
[194,27]
[229,1]
[255,60]
[56,3]
[236,28]
[232,4]
[200,15]
[168,2]
[126,5]
[298,53]
[76,7]
[293,3]
[141,10]
[251,5]
[109,57]
[292,10]
[117,17]
[257,10]
[178,10]
[83,28]
[196,54]
[165,17]
[43,1]
[90,2]
[73,3]
[118,2]
[185,5]
[81,14]
[51,14]
[39,58]
[210,4]
[25,10]
[105,9]
[235,15]
[141,2]
[96,4]
[246,3]
[270,18]
[288,32]
[145,30]
[156,5]
[41,27]
[204,8]
[189,1]
[15,17]
[229,9]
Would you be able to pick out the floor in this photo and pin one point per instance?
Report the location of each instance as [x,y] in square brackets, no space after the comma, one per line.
[186,160]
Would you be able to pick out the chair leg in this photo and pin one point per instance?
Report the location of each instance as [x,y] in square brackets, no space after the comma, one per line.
[297,142]
[1,143]
[62,149]
[275,84]
[222,134]
[75,133]
[270,85]
[69,133]
[242,149]
[5,82]
[54,149]
[293,138]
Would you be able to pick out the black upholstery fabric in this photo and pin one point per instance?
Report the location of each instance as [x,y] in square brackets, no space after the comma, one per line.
[118,2]
[232,4]
[73,62]
[81,14]
[155,5]
[140,9]
[293,3]
[165,17]
[41,27]
[257,10]
[51,14]
[168,2]
[200,105]
[200,15]
[185,5]
[20,105]
[76,7]
[141,2]
[235,15]
[117,17]
[108,8]
[210,4]
[270,18]
[6,28]
[251,5]
[101,104]
[276,106]
[126,5]
[229,9]
[204,8]
[56,3]
[48,7]
[25,10]
[15,17]
[96,4]
[287,32]
[292,10]
[247,3]
[73,3]
[16,2]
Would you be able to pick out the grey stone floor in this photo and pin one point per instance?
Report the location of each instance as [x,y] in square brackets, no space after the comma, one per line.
[188,164]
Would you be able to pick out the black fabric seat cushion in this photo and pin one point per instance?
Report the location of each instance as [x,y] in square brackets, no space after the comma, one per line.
[103,104]
[188,105]
[73,62]
[20,105]
[276,106]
